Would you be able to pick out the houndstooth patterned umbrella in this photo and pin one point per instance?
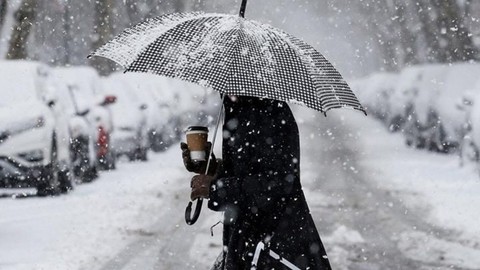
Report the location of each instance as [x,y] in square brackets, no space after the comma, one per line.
[233,56]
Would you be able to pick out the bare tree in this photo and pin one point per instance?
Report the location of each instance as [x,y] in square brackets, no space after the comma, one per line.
[3,12]
[447,37]
[24,18]
[451,23]
[103,33]
[383,30]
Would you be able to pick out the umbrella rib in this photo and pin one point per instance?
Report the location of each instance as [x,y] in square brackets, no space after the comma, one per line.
[297,49]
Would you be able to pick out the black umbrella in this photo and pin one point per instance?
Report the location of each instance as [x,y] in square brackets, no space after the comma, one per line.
[234,56]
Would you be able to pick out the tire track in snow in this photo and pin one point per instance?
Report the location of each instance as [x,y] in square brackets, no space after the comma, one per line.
[361,225]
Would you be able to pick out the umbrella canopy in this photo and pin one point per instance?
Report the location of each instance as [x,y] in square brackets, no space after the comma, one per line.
[234,56]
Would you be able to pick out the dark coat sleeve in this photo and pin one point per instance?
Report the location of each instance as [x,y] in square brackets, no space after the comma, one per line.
[261,161]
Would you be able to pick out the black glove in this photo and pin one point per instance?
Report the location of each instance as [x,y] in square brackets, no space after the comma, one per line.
[199,167]
[200,185]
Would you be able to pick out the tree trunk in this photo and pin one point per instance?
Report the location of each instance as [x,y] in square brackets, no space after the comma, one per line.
[179,6]
[103,34]
[461,46]
[406,38]
[3,12]
[377,22]
[133,12]
[24,17]
[429,32]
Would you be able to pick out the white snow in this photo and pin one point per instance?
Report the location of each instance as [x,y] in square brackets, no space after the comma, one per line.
[84,229]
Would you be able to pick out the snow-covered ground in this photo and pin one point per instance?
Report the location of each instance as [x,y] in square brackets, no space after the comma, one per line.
[98,223]
[449,194]
[83,229]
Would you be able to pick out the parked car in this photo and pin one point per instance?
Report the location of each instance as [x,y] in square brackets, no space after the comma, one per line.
[34,140]
[192,105]
[421,128]
[145,89]
[376,93]
[91,124]
[401,100]
[435,122]
[469,104]
[459,82]
[129,120]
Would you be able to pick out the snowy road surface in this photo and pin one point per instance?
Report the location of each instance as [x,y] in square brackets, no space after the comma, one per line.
[377,205]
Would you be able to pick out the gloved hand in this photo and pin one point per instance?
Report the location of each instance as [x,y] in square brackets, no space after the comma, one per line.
[200,185]
[198,166]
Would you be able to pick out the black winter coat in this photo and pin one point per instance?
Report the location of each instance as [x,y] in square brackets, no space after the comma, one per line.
[267,222]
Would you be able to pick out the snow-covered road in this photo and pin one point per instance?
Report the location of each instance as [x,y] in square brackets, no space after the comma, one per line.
[376,203]
[366,225]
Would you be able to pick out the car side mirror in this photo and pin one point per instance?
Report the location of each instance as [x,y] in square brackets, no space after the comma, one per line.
[83,113]
[109,100]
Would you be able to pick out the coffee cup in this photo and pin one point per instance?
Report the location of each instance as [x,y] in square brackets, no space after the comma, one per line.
[197,140]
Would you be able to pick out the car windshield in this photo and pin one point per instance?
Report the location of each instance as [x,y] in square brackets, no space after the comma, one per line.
[79,88]
[15,87]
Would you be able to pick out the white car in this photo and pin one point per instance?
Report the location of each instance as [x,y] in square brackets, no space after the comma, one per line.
[129,120]
[90,120]
[34,140]
[376,92]
[435,121]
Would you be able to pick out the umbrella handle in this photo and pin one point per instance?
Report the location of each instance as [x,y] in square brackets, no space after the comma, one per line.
[242,8]
[188,211]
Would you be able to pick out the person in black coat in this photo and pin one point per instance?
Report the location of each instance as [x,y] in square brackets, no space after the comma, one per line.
[267,223]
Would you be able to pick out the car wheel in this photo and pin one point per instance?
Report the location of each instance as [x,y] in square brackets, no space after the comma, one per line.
[49,184]
[90,174]
[65,179]
[143,154]
[139,154]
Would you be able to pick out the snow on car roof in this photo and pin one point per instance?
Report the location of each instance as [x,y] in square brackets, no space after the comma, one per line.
[21,80]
